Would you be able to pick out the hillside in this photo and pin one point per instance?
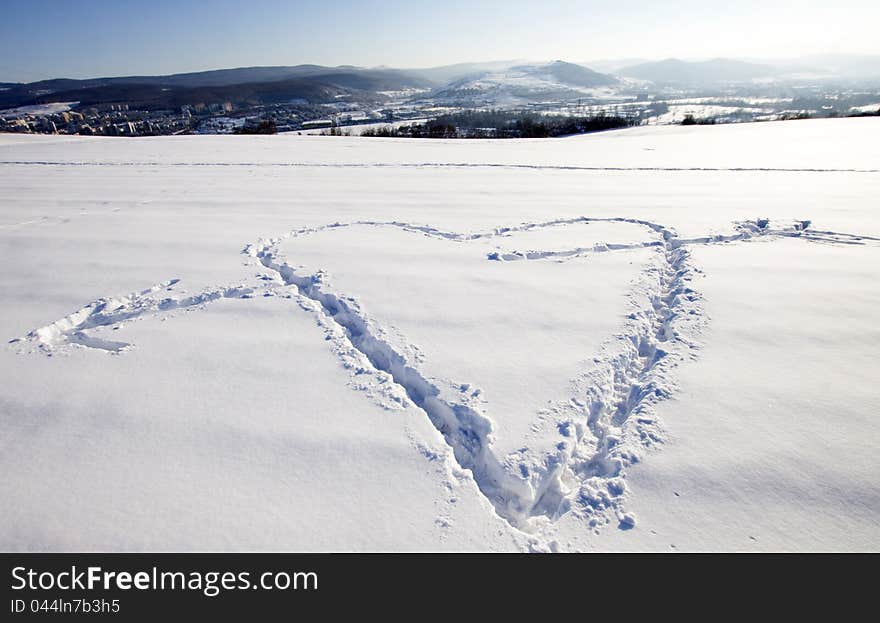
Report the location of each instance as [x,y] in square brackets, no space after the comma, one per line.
[262,84]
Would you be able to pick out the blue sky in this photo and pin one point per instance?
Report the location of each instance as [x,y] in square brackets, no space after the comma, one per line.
[52,38]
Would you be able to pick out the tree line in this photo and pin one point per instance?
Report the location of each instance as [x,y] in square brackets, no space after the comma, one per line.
[503,124]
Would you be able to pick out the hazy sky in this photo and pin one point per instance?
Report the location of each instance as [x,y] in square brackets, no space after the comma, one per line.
[88,38]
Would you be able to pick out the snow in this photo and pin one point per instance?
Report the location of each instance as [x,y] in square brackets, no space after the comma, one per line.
[221,125]
[867,108]
[356,129]
[785,146]
[464,316]
[38,110]
[779,409]
[517,86]
[678,112]
[624,341]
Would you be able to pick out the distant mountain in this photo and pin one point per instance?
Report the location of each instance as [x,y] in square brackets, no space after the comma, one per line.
[559,71]
[446,74]
[226,77]
[611,65]
[571,74]
[520,84]
[343,75]
[258,84]
[675,71]
[155,96]
[497,83]
[370,79]
[844,65]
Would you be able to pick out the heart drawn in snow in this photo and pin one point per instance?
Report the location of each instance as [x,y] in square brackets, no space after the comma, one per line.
[540,367]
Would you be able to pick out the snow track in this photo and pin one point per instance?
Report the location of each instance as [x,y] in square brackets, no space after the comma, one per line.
[603,427]
[612,415]
[112,313]
[432,165]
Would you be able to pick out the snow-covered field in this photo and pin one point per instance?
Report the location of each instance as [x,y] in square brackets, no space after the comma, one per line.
[359,128]
[662,338]
[38,110]
[678,112]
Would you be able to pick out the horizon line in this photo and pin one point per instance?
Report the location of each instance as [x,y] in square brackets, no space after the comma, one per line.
[688,59]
